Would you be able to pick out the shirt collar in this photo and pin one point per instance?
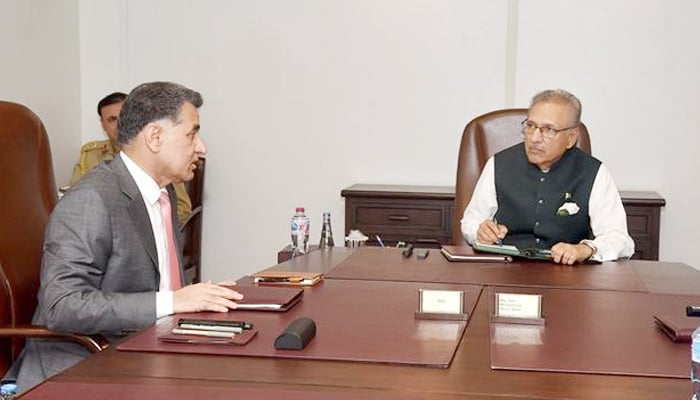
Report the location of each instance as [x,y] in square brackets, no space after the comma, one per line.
[147,186]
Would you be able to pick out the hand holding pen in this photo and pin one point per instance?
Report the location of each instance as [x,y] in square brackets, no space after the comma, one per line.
[491,232]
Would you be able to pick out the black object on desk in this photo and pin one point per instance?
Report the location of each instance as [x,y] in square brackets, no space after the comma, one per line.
[297,335]
[407,251]
[422,254]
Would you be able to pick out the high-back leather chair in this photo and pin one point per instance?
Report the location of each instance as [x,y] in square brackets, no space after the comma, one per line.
[192,227]
[28,195]
[483,137]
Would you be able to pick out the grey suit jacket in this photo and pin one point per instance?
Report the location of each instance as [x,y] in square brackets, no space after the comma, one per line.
[99,269]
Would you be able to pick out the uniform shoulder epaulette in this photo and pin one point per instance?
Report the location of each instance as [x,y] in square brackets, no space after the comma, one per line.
[95,145]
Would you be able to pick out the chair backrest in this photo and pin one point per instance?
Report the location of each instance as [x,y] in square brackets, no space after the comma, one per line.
[28,193]
[483,137]
[192,228]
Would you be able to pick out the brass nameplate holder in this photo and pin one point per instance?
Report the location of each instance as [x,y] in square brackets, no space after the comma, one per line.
[441,304]
[517,308]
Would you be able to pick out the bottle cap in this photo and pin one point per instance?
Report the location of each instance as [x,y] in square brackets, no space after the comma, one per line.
[300,208]
[8,388]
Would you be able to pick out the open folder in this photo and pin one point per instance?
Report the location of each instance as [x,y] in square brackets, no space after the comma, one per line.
[505,249]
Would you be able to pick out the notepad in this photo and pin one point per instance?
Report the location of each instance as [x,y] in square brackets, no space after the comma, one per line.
[261,298]
[466,254]
[287,278]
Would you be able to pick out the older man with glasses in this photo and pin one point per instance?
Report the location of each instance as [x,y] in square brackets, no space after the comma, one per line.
[545,193]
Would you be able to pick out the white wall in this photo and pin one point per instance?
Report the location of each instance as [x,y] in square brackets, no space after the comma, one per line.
[39,68]
[306,97]
[103,61]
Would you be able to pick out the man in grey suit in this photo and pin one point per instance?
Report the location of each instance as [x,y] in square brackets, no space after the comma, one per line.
[106,266]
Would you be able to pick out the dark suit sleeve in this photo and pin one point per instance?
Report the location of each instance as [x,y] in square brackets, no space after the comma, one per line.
[96,275]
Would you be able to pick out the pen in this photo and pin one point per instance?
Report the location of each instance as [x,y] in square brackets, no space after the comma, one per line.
[271,279]
[180,331]
[213,328]
[214,322]
[500,241]
[379,240]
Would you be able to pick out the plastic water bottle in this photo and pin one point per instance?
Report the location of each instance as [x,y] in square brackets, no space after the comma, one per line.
[300,232]
[8,391]
[695,364]
[326,232]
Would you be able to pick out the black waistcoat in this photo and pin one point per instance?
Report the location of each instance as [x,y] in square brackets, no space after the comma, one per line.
[529,199]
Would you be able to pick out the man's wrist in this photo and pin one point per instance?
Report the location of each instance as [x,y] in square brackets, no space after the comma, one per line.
[589,243]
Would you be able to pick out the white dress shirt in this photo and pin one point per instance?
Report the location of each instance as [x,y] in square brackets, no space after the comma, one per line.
[608,218]
[151,192]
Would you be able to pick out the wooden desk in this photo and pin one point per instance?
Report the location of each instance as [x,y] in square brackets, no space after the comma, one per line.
[469,377]
[424,215]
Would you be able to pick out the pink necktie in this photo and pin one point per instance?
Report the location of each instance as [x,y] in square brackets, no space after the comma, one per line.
[173,265]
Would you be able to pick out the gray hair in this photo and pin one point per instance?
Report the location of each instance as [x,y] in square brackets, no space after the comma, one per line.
[561,97]
[151,102]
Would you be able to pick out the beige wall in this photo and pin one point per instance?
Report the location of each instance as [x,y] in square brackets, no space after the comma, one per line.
[39,67]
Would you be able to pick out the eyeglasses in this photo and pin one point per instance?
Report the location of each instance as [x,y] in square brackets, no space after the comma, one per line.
[547,131]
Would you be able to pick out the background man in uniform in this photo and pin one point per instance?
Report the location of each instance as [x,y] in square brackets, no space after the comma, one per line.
[93,153]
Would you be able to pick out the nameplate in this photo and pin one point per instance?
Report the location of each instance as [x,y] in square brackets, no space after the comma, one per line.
[441,304]
[441,301]
[516,305]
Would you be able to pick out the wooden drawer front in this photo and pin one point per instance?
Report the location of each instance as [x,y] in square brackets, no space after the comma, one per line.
[642,249]
[643,227]
[406,217]
[423,222]
[639,220]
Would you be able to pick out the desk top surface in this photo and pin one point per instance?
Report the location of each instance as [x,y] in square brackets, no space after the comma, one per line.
[470,375]
[360,321]
[378,263]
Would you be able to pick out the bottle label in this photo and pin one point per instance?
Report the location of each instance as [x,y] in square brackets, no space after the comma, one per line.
[300,233]
[300,225]
[695,350]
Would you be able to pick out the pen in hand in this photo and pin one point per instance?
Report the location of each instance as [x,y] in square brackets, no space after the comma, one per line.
[500,241]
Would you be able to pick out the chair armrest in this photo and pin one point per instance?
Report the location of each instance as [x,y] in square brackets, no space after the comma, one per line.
[195,212]
[93,343]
